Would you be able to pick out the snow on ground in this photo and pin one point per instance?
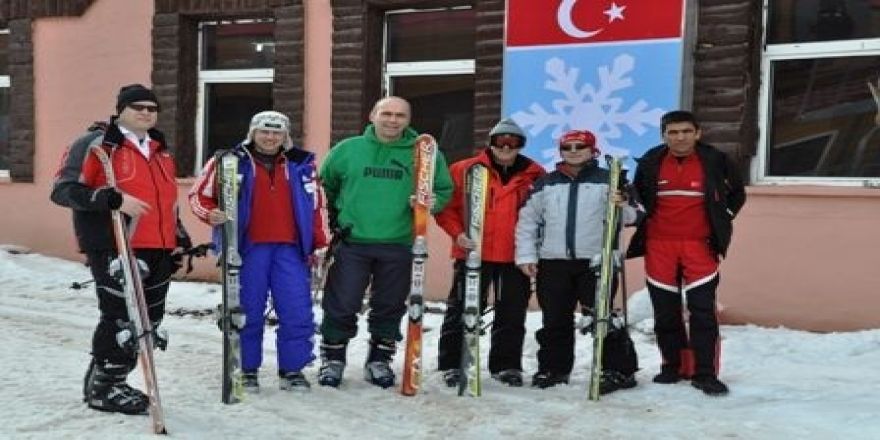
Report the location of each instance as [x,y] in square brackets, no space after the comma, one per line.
[784,384]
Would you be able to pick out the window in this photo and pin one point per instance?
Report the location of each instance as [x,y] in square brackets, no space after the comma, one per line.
[4,103]
[429,60]
[236,60]
[821,99]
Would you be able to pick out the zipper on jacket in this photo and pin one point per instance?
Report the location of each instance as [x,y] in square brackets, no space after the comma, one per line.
[570,219]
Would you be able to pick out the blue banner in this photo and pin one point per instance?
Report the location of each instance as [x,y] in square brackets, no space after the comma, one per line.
[618,91]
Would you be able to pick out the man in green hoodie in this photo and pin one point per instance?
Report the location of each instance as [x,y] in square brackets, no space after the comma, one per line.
[368,181]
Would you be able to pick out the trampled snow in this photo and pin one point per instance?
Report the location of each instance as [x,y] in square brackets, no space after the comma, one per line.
[784,384]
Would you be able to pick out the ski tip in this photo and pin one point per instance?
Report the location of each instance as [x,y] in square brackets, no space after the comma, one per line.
[425,138]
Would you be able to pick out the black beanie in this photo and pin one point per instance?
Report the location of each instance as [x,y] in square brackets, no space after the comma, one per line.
[133,93]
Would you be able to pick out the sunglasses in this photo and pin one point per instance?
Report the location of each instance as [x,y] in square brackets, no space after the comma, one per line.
[142,107]
[507,140]
[572,147]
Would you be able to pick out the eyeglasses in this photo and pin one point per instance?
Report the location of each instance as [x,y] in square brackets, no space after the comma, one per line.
[142,107]
[574,146]
[507,140]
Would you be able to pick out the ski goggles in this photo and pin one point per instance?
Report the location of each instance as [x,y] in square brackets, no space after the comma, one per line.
[511,141]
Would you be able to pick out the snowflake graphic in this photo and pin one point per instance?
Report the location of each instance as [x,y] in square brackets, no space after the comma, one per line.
[589,107]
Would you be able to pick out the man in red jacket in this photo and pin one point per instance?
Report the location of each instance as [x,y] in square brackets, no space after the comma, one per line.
[146,192]
[510,176]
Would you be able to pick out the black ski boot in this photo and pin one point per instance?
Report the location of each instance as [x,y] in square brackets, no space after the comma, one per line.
[709,385]
[250,381]
[293,381]
[612,381]
[377,369]
[510,377]
[107,390]
[547,379]
[667,376]
[452,378]
[332,363]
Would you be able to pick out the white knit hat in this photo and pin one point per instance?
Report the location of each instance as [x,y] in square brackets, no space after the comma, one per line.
[272,121]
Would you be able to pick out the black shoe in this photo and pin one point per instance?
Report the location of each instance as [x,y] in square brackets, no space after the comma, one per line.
[510,377]
[119,398]
[546,379]
[293,381]
[452,378]
[330,374]
[709,385]
[667,377]
[379,373]
[250,381]
[614,380]
[332,363]
[377,369]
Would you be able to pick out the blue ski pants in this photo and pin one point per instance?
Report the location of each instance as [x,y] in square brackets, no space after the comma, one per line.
[280,269]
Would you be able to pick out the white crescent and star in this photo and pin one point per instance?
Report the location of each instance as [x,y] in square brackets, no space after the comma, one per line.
[564,17]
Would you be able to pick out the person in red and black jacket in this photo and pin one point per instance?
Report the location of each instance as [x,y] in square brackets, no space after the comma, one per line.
[146,192]
[510,177]
[691,193]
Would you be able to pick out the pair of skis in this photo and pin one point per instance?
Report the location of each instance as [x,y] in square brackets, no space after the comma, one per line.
[231,316]
[135,301]
[476,188]
[610,261]
[425,156]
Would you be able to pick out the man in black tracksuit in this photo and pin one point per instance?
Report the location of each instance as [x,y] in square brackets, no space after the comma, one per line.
[691,193]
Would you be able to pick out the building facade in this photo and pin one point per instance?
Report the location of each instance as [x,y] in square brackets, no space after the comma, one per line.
[788,89]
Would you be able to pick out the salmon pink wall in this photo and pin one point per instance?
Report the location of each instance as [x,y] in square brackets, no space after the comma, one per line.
[318,88]
[79,64]
[805,257]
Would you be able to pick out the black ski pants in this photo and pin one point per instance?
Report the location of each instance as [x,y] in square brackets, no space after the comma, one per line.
[511,293]
[561,285]
[111,300]
[673,338]
[385,268]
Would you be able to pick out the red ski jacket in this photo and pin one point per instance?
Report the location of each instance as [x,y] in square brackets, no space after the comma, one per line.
[81,184]
[502,206]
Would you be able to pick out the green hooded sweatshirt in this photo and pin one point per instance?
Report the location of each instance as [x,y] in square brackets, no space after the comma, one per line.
[369,184]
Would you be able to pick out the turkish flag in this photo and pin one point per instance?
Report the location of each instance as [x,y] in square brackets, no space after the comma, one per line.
[542,22]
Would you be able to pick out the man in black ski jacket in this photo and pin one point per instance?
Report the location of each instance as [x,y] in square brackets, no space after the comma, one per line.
[691,193]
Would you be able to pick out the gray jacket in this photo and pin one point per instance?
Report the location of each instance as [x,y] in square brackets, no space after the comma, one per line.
[563,216]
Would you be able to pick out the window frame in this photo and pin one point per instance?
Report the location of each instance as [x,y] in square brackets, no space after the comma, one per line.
[6,83]
[205,77]
[391,70]
[797,51]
